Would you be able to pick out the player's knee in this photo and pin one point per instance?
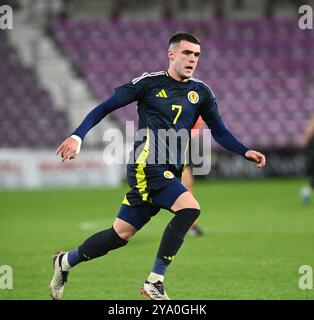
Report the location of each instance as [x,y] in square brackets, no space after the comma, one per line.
[126,235]
[183,220]
[124,230]
[190,214]
[184,201]
[194,205]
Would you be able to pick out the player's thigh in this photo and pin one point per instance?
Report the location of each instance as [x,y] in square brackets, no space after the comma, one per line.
[174,197]
[132,217]
[187,178]
[184,201]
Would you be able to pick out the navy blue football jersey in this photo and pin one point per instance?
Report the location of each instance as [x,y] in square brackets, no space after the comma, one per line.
[165,103]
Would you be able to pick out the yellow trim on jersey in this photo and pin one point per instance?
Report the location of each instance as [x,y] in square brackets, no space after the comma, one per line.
[162,94]
[140,174]
[126,201]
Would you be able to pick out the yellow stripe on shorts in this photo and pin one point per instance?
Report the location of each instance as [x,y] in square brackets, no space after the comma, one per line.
[140,174]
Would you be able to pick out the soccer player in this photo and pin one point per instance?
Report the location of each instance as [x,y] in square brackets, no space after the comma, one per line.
[169,99]
[307,142]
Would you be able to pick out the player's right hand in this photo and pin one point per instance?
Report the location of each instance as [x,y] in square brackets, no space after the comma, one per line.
[68,149]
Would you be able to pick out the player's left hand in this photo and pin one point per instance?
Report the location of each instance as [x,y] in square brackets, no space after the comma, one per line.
[256,156]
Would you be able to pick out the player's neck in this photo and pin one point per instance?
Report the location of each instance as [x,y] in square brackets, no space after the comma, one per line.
[175,76]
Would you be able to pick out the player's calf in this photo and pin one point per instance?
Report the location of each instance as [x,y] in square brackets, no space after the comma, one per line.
[175,232]
[97,245]
[100,244]
[170,244]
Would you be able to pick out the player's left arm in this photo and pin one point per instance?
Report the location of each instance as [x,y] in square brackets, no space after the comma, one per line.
[226,139]
[223,136]
[257,157]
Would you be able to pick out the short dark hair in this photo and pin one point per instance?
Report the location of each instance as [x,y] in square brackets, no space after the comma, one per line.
[179,36]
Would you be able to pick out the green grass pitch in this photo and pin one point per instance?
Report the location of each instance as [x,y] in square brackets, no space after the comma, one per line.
[258,234]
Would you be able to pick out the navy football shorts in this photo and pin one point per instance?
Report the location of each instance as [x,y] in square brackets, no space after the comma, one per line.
[152,189]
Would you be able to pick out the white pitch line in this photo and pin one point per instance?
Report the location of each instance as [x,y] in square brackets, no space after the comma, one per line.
[96,224]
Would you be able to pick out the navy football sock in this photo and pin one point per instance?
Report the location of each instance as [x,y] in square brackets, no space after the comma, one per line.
[160,266]
[172,238]
[74,257]
[97,245]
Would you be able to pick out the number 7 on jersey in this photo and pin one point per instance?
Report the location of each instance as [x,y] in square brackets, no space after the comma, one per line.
[175,106]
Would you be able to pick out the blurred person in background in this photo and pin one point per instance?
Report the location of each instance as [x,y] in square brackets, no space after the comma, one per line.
[188,179]
[307,143]
[188,182]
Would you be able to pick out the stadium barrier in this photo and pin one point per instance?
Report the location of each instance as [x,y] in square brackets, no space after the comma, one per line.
[280,163]
[25,168]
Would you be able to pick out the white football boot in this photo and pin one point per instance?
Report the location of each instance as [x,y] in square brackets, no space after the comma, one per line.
[56,286]
[154,291]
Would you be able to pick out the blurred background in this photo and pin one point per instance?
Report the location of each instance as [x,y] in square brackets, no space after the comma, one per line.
[64,57]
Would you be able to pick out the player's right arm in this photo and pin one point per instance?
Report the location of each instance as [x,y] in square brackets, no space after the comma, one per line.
[70,147]
[122,96]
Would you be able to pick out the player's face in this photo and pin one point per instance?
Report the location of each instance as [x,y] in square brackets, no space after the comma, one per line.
[184,58]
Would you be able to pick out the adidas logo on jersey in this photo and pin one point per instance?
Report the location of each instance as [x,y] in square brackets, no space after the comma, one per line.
[162,94]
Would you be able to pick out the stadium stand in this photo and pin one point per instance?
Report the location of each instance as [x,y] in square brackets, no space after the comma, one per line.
[259,70]
[27,115]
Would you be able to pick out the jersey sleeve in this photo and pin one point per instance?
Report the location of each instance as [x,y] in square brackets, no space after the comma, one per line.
[209,109]
[220,133]
[132,91]
[122,96]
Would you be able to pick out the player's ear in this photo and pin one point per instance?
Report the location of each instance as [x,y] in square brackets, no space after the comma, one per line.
[171,54]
